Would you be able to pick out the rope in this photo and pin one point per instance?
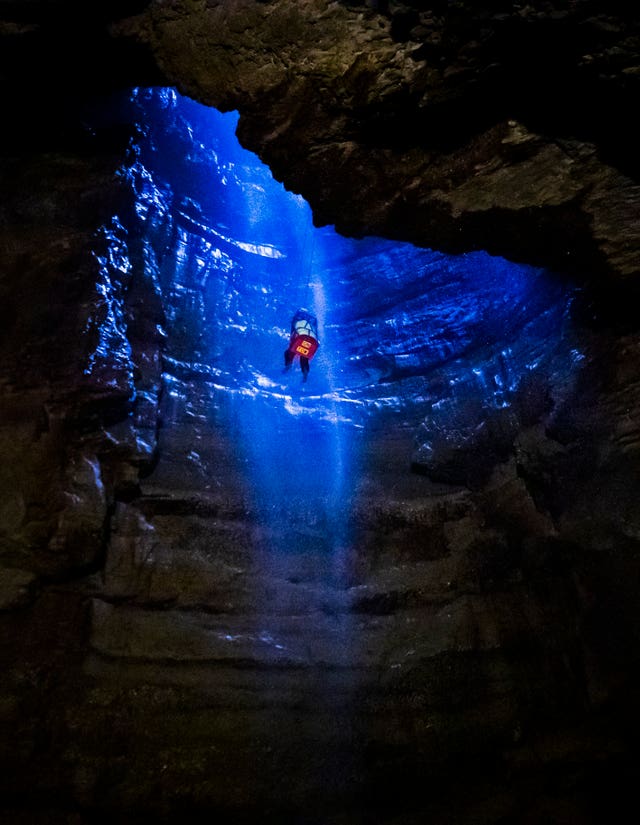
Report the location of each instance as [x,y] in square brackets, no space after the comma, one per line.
[306,263]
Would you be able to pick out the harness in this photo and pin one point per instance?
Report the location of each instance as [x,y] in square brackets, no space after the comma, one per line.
[304,335]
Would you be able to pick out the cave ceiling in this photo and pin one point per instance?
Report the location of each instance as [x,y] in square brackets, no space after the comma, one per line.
[501,126]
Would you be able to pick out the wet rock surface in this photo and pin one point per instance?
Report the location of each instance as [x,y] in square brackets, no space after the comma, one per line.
[446,628]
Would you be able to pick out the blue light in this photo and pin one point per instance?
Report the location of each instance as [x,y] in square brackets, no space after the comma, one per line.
[409,337]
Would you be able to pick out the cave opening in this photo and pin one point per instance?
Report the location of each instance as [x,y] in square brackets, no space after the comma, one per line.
[427,362]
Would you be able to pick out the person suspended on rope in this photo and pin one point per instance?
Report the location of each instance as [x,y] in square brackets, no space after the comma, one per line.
[303,341]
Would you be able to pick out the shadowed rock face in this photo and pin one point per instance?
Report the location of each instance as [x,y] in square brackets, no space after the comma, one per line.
[453,637]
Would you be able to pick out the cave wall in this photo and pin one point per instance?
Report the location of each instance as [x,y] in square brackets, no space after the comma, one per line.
[493,627]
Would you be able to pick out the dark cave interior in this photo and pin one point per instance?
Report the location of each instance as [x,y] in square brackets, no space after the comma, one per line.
[404,590]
